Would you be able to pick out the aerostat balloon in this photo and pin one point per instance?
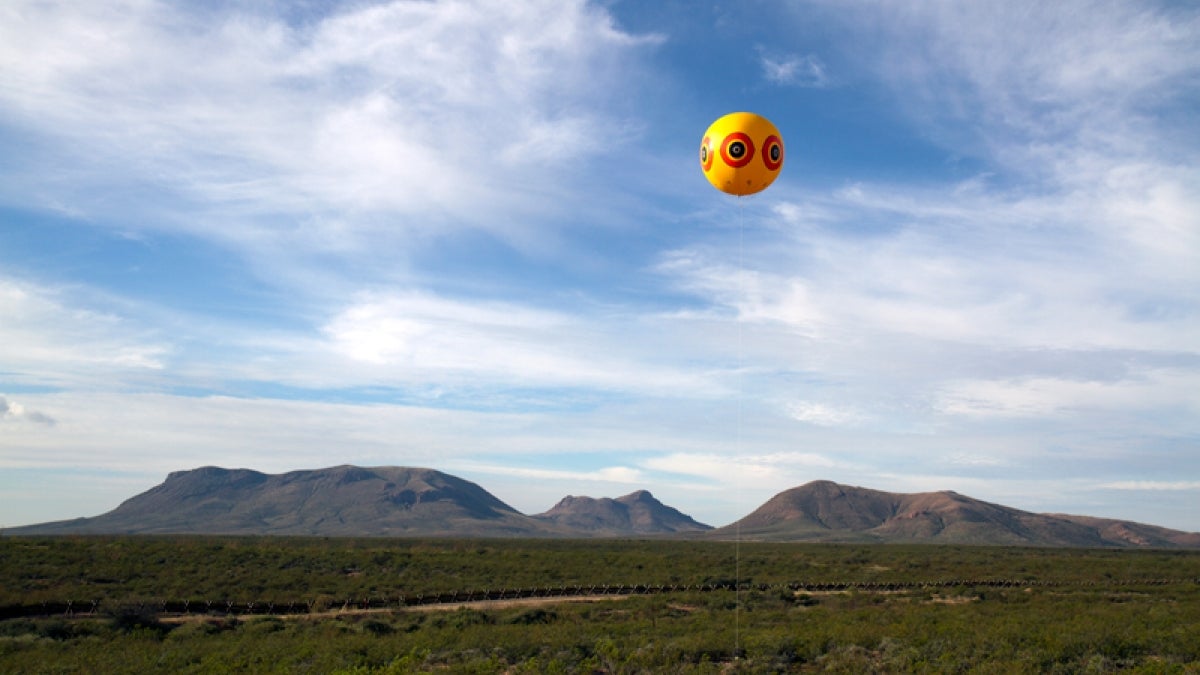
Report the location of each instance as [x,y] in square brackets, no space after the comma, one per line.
[741,153]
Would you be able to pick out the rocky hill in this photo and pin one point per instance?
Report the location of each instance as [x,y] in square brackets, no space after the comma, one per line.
[636,513]
[338,501]
[827,511]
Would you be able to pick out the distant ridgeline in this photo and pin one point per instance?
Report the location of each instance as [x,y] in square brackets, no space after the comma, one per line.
[414,502]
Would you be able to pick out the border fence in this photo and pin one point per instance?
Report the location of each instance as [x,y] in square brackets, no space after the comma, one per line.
[400,601]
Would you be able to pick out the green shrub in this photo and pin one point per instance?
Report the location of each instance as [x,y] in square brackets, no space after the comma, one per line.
[532,616]
[376,627]
[130,618]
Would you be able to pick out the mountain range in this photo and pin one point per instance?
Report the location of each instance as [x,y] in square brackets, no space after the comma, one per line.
[357,501]
[417,502]
[827,511]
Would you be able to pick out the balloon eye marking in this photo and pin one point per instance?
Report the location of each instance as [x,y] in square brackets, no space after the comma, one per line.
[773,157]
[706,154]
[737,149]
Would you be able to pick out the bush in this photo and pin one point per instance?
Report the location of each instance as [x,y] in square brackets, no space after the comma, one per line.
[377,627]
[17,628]
[533,616]
[130,618]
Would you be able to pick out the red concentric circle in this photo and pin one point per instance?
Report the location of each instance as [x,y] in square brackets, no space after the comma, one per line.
[773,152]
[737,149]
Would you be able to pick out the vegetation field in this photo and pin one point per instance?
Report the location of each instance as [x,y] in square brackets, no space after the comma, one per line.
[213,604]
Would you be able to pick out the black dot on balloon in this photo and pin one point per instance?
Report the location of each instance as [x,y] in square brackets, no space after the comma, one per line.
[737,149]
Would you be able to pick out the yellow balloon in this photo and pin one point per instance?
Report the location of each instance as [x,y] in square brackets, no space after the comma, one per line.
[741,153]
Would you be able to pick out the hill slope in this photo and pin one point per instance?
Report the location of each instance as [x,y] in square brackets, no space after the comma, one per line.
[1135,534]
[338,501]
[635,513]
[827,511]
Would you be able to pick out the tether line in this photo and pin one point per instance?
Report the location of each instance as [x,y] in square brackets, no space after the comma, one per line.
[741,394]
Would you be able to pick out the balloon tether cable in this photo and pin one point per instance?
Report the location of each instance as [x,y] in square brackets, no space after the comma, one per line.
[737,538]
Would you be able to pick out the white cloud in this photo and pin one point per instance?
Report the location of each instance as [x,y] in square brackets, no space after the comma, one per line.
[425,338]
[11,410]
[793,69]
[813,412]
[1057,397]
[424,330]
[771,471]
[999,270]
[51,337]
[1043,69]
[976,460]
[384,107]
[621,475]
[159,432]
[1152,485]
[1078,106]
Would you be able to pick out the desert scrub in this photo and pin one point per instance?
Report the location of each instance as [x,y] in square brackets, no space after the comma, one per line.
[886,608]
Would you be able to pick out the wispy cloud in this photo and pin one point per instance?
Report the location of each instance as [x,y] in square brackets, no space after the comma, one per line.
[621,475]
[404,339]
[778,469]
[1152,486]
[822,414]
[804,70]
[52,338]
[1058,398]
[373,108]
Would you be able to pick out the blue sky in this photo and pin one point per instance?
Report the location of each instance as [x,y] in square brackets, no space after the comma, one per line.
[473,235]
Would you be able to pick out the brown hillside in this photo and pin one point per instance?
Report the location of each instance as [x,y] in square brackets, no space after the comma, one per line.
[826,511]
[338,501]
[635,513]
[1136,534]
